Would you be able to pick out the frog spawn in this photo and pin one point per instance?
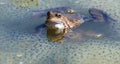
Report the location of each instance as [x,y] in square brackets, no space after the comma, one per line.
[80,35]
[105,51]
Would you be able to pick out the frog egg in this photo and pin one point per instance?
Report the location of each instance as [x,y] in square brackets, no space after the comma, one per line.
[59,26]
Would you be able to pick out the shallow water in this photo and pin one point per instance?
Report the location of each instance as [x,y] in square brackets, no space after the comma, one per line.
[19,43]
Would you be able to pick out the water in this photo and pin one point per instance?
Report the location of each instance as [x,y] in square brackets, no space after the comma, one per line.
[19,43]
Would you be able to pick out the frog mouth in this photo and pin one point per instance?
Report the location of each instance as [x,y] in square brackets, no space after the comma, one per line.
[55,25]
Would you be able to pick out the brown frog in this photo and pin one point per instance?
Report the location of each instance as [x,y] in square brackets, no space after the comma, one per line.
[60,21]
[58,25]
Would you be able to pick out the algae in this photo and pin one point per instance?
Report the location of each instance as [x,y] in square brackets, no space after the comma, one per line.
[25,3]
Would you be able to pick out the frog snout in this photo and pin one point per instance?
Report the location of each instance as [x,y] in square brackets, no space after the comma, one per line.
[50,14]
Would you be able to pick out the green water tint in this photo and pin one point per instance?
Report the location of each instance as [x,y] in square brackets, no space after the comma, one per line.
[25,3]
[17,47]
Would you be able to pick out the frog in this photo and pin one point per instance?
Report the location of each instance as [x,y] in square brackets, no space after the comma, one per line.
[60,23]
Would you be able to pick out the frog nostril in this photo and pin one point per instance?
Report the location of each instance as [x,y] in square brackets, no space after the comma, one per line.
[48,13]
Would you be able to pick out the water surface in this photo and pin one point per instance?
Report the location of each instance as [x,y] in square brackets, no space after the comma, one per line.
[20,44]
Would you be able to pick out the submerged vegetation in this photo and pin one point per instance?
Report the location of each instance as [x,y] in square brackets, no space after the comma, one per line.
[25,3]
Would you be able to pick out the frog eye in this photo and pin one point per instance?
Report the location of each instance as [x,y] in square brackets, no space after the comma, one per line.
[58,15]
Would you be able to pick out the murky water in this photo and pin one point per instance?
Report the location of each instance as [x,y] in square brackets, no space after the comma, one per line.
[20,44]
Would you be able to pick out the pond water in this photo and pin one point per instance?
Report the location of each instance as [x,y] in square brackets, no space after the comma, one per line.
[20,44]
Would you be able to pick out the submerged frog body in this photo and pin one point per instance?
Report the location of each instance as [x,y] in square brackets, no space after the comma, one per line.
[59,24]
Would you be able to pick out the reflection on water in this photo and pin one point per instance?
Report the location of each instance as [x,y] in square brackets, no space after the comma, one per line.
[91,30]
[82,33]
[78,34]
[56,35]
